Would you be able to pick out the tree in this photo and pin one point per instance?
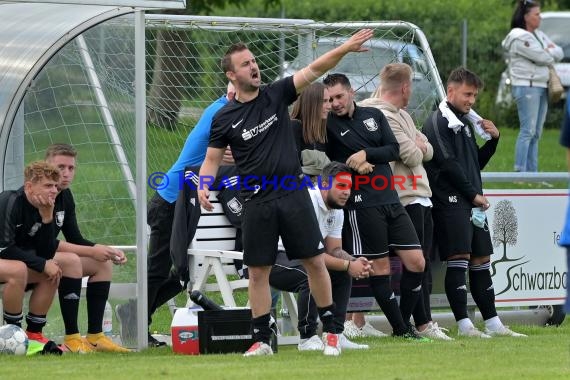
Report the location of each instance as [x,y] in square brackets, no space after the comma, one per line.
[505,226]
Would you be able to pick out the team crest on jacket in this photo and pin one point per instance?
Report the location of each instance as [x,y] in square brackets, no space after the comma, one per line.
[468,131]
[59,217]
[235,205]
[34,229]
[370,124]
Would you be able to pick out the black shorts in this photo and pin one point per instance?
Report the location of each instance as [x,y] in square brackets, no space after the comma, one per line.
[372,232]
[292,217]
[423,224]
[454,234]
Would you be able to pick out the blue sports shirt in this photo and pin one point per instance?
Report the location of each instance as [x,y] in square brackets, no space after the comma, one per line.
[193,152]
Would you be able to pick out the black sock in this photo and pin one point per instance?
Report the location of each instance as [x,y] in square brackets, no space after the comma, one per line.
[13,319]
[421,313]
[326,315]
[456,287]
[69,295]
[387,301]
[482,289]
[35,323]
[426,289]
[410,291]
[261,330]
[97,295]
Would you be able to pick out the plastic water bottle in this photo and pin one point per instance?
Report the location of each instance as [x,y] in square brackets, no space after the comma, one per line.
[108,319]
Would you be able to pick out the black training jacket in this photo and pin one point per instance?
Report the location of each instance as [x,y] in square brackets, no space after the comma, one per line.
[454,172]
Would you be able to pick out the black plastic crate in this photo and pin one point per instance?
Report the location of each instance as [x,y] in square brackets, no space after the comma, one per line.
[224,331]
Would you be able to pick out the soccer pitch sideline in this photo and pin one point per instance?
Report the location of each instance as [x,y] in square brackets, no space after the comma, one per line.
[545,354]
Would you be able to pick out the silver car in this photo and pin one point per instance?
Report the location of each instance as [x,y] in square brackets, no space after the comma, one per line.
[363,70]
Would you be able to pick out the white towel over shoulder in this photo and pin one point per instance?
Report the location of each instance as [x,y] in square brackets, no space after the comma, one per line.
[455,124]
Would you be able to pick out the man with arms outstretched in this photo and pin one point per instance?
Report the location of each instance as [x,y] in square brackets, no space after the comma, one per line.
[257,127]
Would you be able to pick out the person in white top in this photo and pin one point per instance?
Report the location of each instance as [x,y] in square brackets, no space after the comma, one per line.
[530,54]
[328,198]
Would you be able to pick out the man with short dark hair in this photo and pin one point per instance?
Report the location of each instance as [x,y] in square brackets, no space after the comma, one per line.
[377,223]
[257,126]
[328,197]
[461,229]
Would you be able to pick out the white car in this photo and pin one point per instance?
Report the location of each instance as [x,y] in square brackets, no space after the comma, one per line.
[556,25]
[363,70]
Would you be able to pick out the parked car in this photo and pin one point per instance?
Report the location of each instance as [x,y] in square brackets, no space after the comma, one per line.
[363,70]
[556,25]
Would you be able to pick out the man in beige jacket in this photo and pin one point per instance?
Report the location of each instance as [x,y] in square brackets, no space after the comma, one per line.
[392,98]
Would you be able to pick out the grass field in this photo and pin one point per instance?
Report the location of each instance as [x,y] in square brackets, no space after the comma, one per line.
[545,354]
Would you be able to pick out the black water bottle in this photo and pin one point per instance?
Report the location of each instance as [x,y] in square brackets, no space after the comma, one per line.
[200,299]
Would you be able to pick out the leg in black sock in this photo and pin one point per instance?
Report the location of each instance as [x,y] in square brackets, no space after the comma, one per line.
[423,224]
[426,288]
[69,295]
[410,291]
[385,297]
[419,313]
[326,314]
[456,287]
[35,323]
[261,330]
[97,295]
[13,319]
[482,289]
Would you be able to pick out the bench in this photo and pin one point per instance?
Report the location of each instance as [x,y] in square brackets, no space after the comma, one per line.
[122,291]
[212,253]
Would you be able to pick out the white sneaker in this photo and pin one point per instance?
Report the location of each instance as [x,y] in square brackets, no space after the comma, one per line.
[368,331]
[351,330]
[473,332]
[504,331]
[259,349]
[331,343]
[346,344]
[433,331]
[313,343]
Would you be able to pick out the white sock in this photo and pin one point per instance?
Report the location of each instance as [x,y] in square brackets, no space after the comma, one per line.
[465,324]
[493,324]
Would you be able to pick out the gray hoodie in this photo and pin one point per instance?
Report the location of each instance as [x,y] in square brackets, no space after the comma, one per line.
[529,57]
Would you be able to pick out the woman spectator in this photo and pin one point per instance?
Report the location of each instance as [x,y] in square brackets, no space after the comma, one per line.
[309,122]
[530,53]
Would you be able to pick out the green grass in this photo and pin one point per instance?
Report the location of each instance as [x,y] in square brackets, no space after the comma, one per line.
[543,355]
[552,158]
